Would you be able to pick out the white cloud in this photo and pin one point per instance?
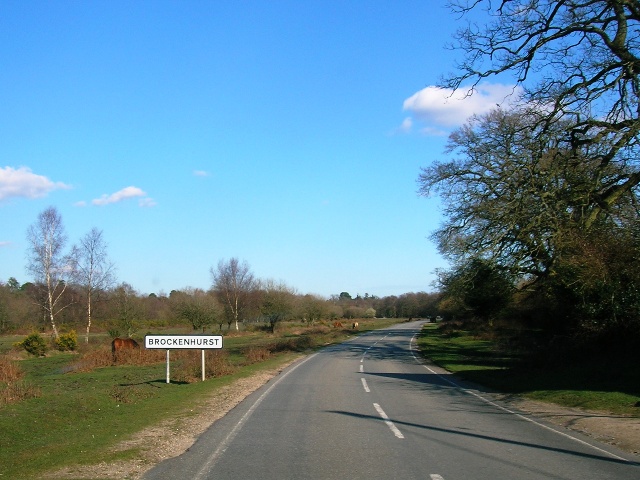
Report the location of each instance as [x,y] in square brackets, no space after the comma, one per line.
[5,244]
[22,182]
[444,108]
[125,194]
[201,173]
[147,202]
[406,125]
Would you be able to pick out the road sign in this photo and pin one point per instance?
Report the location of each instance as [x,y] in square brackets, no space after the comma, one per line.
[192,342]
[172,342]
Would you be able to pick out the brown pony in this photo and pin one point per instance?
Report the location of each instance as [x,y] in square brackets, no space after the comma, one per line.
[122,344]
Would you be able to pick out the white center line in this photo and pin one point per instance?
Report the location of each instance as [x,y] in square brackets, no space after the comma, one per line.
[364,384]
[435,476]
[389,423]
[361,368]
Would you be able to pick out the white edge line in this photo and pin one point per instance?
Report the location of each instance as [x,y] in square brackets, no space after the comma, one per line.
[236,429]
[504,409]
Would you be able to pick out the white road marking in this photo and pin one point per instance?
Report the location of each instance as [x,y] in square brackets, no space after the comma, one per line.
[364,384]
[504,409]
[435,476]
[389,423]
[361,368]
[213,458]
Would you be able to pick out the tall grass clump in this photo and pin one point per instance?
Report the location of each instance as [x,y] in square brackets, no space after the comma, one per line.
[256,354]
[189,365]
[12,386]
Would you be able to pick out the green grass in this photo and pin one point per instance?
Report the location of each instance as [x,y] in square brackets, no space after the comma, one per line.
[598,384]
[79,417]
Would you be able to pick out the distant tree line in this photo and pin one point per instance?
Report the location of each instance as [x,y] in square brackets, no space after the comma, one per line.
[75,288]
[121,311]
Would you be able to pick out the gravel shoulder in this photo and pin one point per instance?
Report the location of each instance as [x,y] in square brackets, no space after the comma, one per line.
[171,438]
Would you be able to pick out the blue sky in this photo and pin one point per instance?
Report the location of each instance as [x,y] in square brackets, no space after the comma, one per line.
[289,134]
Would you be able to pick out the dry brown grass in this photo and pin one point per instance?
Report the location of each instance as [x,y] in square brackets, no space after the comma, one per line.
[139,356]
[189,365]
[101,356]
[12,387]
[186,364]
[256,354]
[9,370]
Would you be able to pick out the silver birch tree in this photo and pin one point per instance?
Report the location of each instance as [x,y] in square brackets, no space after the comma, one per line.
[48,263]
[94,271]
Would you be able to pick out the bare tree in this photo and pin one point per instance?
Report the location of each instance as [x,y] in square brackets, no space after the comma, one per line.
[578,61]
[48,263]
[94,272]
[512,194]
[233,282]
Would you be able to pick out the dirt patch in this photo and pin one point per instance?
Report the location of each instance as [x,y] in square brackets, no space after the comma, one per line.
[172,438]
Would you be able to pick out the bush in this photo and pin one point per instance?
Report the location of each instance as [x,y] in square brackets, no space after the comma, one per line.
[67,341]
[34,344]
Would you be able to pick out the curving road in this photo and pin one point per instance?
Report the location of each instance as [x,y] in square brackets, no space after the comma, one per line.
[369,409]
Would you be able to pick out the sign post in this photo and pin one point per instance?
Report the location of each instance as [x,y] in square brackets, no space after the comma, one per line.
[168,377]
[185,342]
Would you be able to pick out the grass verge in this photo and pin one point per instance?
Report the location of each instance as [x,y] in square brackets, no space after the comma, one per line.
[599,384]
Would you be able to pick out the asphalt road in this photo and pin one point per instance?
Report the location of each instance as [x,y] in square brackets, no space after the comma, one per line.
[369,409]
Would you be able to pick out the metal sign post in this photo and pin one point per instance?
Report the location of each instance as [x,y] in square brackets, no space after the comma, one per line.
[168,370]
[185,342]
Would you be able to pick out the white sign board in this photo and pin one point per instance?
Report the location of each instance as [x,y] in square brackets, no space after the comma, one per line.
[172,342]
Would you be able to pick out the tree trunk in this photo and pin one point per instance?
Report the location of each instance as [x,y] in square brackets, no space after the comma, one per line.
[235,313]
[88,317]
[51,315]
[53,325]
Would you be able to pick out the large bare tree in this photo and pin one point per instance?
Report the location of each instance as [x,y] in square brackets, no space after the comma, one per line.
[513,195]
[48,263]
[578,61]
[233,282]
[94,271]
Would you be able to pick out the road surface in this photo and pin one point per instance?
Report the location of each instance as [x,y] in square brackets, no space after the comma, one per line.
[369,409]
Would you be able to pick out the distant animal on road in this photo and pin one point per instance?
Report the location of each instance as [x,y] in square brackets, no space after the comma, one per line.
[119,344]
[355,325]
